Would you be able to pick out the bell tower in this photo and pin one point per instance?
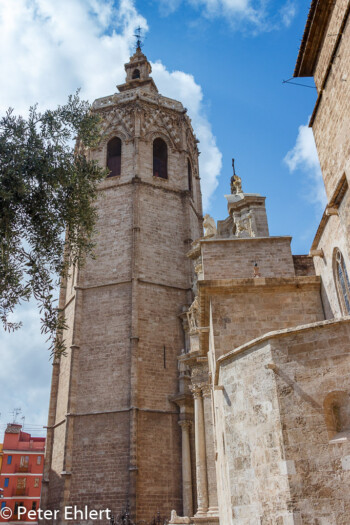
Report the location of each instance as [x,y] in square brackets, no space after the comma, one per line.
[113,433]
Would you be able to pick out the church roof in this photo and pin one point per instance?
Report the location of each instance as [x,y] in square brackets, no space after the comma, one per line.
[315,28]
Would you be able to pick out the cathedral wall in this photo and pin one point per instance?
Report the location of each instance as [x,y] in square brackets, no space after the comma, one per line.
[250,446]
[127,170]
[159,463]
[332,237]
[303,265]
[331,125]
[235,258]
[331,34]
[100,462]
[313,366]
[177,163]
[55,495]
[112,252]
[161,340]
[196,228]
[197,196]
[241,316]
[105,338]
[284,443]
[162,237]
[65,366]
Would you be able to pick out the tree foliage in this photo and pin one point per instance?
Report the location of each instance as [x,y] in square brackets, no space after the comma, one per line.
[47,191]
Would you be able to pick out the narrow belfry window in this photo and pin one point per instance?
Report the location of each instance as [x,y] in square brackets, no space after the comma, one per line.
[342,282]
[160,159]
[136,73]
[189,175]
[114,155]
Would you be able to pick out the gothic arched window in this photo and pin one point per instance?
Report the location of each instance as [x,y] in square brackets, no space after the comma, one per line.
[114,156]
[342,281]
[189,175]
[136,73]
[160,159]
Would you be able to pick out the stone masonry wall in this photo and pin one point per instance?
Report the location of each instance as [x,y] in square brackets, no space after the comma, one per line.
[331,125]
[311,364]
[332,237]
[282,463]
[119,436]
[249,432]
[241,316]
[235,258]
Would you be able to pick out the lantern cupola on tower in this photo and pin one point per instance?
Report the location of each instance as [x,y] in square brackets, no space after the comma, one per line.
[138,71]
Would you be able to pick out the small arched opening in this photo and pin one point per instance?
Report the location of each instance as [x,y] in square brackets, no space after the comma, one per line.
[135,74]
[114,156]
[160,159]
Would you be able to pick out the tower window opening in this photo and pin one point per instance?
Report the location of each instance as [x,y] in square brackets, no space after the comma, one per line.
[114,155]
[160,159]
[189,175]
[135,74]
[342,282]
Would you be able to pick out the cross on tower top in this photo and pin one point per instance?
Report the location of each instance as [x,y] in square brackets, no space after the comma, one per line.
[138,36]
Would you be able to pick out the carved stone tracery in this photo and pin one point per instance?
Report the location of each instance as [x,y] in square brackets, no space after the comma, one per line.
[164,120]
[123,117]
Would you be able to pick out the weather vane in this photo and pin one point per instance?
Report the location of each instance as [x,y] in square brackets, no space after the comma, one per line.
[138,36]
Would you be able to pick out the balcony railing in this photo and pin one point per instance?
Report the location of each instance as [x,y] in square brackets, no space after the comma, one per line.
[23,468]
[20,492]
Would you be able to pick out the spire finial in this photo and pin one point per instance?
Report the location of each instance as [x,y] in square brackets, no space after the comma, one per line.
[138,36]
[236,181]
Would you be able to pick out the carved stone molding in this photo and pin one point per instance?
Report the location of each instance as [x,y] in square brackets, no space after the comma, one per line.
[196,391]
[185,424]
[206,390]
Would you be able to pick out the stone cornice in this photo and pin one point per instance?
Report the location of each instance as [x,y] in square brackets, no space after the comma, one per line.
[315,28]
[261,284]
[276,238]
[274,335]
[162,185]
[334,202]
[118,99]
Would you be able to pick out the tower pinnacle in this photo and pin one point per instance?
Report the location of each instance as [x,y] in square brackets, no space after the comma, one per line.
[236,181]
[138,70]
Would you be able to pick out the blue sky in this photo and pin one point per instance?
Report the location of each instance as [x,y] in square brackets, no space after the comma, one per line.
[224,59]
[253,115]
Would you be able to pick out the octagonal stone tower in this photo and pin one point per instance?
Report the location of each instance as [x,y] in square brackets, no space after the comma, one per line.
[113,433]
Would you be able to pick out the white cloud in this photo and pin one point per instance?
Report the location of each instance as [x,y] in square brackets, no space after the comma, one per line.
[48,50]
[288,12]
[259,15]
[304,157]
[25,370]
